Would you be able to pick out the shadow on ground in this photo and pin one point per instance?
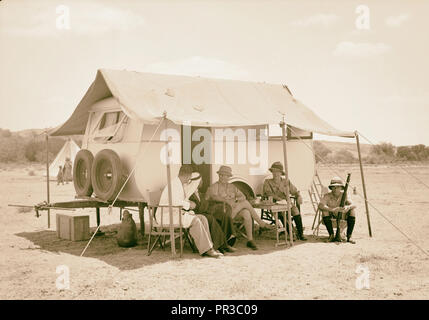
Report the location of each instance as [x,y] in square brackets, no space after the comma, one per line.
[106,249]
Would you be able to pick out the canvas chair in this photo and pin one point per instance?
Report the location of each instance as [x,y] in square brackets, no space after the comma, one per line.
[343,225]
[318,217]
[161,230]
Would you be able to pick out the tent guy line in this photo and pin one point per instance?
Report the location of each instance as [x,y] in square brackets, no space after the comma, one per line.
[398,165]
[370,203]
[146,98]
[109,209]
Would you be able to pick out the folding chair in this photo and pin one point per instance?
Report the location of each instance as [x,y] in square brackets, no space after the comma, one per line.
[343,225]
[160,229]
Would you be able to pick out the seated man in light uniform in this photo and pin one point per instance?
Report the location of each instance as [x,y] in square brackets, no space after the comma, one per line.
[224,191]
[198,225]
[330,207]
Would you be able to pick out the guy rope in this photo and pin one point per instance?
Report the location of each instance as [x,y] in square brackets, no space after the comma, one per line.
[377,210]
[110,207]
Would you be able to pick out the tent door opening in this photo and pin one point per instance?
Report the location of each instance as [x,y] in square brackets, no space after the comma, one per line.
[191,155]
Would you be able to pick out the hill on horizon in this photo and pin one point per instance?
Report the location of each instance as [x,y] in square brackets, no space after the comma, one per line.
[351,147]
[331,145]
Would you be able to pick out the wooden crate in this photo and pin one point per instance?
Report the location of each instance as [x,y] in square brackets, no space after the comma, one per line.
[75,228]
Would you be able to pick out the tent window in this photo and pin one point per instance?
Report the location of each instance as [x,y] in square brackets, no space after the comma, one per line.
[110,126]
[109,119]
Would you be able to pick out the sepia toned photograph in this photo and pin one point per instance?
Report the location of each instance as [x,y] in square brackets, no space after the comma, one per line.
[214,150]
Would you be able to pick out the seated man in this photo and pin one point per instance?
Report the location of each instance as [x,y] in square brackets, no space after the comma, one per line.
[198,224]
[216,231]
[276,188]
[329,205]
[240,208]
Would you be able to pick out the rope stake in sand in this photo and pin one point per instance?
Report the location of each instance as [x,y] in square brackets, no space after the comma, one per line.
[403,233]
[110,207]
[87,245]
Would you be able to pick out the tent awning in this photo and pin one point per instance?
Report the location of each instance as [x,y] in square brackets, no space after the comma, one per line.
[196,100]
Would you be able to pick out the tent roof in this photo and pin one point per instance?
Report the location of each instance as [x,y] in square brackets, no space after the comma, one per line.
[200,101]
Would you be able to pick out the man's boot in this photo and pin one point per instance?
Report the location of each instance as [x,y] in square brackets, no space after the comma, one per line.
[328,225]
[350,226]
[298,222]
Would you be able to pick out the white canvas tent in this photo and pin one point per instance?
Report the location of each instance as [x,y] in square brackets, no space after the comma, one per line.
[201,101]
[69,150]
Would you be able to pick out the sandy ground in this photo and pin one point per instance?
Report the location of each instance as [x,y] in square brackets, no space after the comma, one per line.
[31,253]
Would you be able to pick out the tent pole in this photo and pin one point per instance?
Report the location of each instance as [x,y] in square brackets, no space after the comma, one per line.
[363,184]
[289,217]
[47,177]
[170,209]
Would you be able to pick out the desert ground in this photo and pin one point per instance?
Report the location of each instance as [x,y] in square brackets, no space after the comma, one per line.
[397,268]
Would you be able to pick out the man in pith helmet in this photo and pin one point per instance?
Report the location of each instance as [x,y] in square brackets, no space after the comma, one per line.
[330,207]
[276,188]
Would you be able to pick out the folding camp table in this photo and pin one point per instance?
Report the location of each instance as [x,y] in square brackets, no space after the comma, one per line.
[274,209]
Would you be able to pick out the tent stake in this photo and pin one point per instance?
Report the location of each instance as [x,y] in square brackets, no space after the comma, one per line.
[289,215]
[47,177]
[363,184]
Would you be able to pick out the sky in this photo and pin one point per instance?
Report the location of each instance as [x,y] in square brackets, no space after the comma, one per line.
[360,65]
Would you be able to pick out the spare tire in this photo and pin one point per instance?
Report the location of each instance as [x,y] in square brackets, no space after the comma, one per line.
[82,172]
[107,175]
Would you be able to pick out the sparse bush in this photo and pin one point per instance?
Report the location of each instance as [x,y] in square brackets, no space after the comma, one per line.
[421,151]
[11,149]
[35,150]
[413,153]
[31,149]
[16,148]
[405,153]
[383,148]
[320,151]
[5,133]
[378,159]
[41,156]
[343,156]
[31,173]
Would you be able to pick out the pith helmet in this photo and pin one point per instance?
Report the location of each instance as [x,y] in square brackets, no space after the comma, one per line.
[225,170]
[277,166]
[336,182]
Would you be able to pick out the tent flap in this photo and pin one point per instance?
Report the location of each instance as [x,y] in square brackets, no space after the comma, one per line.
[200,101]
